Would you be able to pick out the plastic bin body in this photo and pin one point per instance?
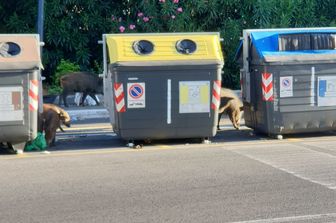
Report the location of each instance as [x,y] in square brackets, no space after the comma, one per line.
[299,101]
[19,90]
[162,110]
[23,126]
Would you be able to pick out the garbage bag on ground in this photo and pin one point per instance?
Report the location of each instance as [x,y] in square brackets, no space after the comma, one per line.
[39,143]
[78,97]
[90,101]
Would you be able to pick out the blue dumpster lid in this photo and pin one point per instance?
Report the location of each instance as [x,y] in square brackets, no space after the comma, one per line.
[267,45]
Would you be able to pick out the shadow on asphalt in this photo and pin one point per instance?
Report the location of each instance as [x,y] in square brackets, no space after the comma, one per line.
[85,140]
[4,150]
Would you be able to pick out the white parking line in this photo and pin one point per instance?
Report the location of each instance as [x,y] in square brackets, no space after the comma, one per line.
[323,218]
[304,163]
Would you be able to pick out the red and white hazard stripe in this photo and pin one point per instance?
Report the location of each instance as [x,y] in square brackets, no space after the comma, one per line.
[216,95]
[33,95]
[267,87]
[119,97]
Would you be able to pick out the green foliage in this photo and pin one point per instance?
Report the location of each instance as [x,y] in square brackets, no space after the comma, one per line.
[63,68]
[73,27]
[97,67]
[72,30]
[18,16]
[54,90]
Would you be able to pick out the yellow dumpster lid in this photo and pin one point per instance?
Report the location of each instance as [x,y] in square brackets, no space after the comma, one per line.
[163,47]
[19,51]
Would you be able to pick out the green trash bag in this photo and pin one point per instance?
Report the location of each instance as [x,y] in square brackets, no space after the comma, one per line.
[39,143]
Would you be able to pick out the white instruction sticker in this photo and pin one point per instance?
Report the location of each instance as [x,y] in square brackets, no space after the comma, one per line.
[286,86]
[136,97]
[326,91]
[11,107]
[194,96]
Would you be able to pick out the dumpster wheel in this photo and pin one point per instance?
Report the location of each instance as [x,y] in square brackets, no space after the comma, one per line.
[134,144]
[7,148]
[16,148]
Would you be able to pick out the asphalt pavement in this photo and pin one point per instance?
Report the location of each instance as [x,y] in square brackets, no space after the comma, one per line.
[92,176]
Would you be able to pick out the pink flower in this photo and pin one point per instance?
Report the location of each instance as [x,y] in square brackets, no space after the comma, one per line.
[132,26]
[121,29]
[176,1]
[145,19]
[163,1]
[173,17]
[113,18]
[179,9]
[140,14]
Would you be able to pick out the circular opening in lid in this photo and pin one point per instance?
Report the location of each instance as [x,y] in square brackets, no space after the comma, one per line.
[9,49]
[143,47]
[186,46]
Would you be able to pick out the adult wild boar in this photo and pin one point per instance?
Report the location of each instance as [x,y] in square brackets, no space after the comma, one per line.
[84,82]
[51,119]
[231,105]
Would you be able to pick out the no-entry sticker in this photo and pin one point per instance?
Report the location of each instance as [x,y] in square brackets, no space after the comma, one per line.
[136,95]
[286,86]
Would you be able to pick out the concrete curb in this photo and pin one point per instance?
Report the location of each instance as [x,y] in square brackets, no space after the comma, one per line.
[82,114]
[90,113]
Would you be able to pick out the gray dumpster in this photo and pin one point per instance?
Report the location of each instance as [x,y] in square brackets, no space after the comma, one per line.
[19,88]
[288,80]
[160,86]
